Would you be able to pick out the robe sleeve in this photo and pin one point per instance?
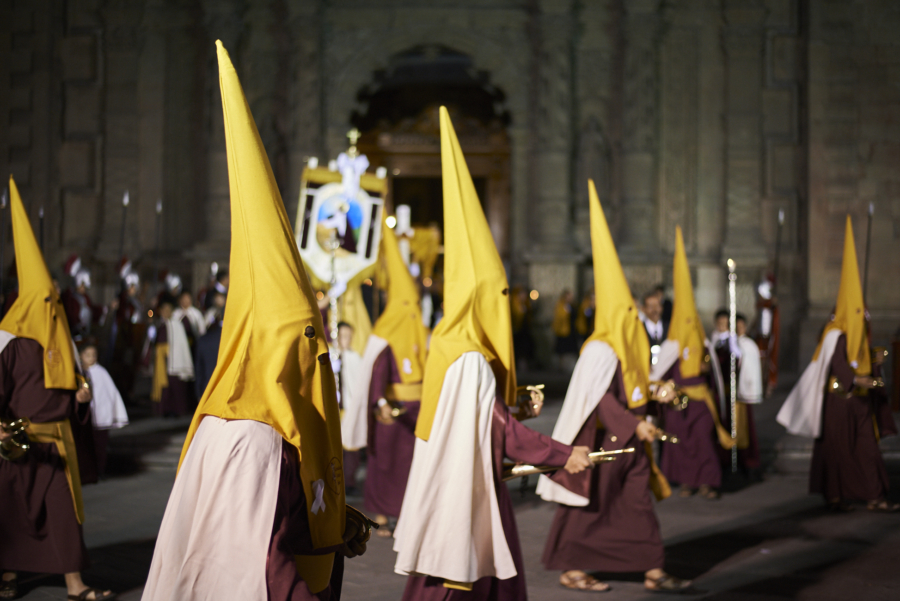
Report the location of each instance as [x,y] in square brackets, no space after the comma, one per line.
[524,445]
[840,367]
[613,412]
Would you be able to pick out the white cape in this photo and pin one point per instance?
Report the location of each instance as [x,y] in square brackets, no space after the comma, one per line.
[450,524]
[750,383]
[669,353]
[355,422]
[591,378]
[195,317]
[214,539]
[180,363]
[107,405]
[801,413]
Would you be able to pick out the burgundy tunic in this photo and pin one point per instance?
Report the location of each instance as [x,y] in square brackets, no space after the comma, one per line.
[846,462]
[617,531]
[38,527]
[390,447]
[510,439]
[694,461]
[291,536]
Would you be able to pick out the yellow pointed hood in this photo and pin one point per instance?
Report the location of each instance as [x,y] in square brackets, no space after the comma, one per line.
[850,310]
[401,322]
[476,293]
[685,327]
[616,320]
[273,364]
[38,313]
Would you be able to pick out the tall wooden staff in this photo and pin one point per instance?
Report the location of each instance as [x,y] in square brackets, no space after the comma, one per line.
[868,248]
[125,201]
[158,233]
[732,327]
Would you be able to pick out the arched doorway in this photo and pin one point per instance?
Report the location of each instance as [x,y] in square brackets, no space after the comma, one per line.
[401,132]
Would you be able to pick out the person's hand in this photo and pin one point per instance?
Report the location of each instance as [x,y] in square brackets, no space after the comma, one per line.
[83,395]
[537,401]
[353,545]
[665,392]
[383,414]
[578,461]
[4,434]
[646,431]
[866,382]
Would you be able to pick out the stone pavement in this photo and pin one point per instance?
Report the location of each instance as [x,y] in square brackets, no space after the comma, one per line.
[766,541]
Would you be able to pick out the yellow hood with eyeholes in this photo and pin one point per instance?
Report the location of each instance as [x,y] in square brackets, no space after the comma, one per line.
[273,364]
[685,327]
[850,310]
[37,313]
[476,293]
[401,322]
[616,320]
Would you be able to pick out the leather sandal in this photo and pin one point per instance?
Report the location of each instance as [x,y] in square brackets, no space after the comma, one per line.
[9,589]
[668,584]
[98,595]
[581,581]
[883,507]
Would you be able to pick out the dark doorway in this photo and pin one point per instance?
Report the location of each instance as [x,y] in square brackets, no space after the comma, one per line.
[424,195]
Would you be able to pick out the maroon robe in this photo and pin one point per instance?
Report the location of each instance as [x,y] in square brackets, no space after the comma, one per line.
[846,461]
[291,536]
[617,531]
[390,447]
[177,398]
[38,527]
[509,438]
[694,461]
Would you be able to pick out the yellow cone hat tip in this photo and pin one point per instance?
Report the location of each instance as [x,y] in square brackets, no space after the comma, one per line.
[850,309]
[476,301]
[273,364]
[616,321]
[37,313]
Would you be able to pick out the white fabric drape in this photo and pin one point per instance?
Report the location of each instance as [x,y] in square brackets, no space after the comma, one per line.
[450,523]
[214,539]
[591,378]
[355,422]
[180,362]
[107,405]
[801,413]
[750,383]
[195,317]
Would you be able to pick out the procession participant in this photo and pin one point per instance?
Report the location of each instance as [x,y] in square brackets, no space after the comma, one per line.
[456,536]
[768,331]
[394,362]
[522,318]
[173,365]
[207,353]
[605,521]
[564,330]
[584,321]
[749,389]
[831,403]
[219,286]
[40,492]
[257,510]
[657,328]
[81,313]
[127,331]
[107,406]
[191,317]
[353,400]
[685,358]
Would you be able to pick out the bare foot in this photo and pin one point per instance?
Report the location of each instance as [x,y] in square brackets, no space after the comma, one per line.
[582,581]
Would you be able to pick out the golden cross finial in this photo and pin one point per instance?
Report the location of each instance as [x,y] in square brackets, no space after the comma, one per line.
[353,135]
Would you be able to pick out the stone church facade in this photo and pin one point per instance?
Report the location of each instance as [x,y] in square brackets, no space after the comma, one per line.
[710,114]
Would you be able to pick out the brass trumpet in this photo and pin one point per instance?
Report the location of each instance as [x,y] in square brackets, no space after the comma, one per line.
[513,471]
[17,444]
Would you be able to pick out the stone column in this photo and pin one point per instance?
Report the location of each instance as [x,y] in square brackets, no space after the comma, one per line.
[222,19]
[743,39]
[640,136]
